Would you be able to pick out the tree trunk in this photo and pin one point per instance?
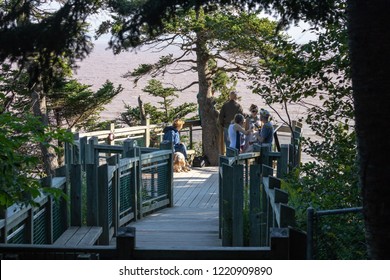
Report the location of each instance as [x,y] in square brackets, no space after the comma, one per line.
[208,116]
[49,155]
[369,42]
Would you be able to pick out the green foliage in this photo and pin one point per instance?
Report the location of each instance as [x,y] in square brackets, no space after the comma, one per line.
[320,69]
[76,105]
[165,113]
[17,184]
[229,36]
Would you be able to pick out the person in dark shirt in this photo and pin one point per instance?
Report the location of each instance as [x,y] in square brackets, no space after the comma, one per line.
[171,134]
[228,111]
[266,133]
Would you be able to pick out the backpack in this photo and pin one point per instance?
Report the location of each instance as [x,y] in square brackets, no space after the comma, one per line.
[199,161]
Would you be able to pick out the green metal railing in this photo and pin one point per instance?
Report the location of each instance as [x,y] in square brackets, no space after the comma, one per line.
[116,179]
[336,234]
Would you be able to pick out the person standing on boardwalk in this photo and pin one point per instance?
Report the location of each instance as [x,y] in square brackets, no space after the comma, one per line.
[228,111]
[252,122]
[266,133]
[237,132]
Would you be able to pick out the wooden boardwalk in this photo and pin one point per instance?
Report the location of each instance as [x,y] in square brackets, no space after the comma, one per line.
[193,221]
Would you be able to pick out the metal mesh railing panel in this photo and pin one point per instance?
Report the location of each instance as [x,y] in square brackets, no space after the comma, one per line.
[110,203]
[154,181]
[59,221]
[125,192]
[40,226]
[17,235]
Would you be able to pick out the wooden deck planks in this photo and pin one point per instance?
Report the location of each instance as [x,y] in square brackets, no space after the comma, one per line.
[193,221]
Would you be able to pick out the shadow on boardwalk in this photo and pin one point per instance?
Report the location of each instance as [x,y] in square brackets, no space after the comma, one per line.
[193,221]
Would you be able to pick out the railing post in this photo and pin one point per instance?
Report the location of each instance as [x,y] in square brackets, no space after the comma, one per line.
[111,135]
[146,122]
[254,204]
[92,164]
[3,230]
[75,195]
[125,243]
[114,162]
[103,200]
[264,154]
[46,182]
[222,160]
[283,161]
[83,142]
[129,146]
[310,232]
[227,205]
[169,172]
[238,205]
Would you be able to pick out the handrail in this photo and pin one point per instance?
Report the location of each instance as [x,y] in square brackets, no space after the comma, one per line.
[114,191]
[113,135]
[240,178]
[16,217]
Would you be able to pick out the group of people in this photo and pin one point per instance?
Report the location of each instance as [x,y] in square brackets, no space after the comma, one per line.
[240,132]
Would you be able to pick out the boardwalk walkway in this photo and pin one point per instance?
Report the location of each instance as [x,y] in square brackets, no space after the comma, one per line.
[193,221]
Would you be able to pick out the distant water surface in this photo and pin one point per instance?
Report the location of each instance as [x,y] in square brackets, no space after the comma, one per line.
[103,65]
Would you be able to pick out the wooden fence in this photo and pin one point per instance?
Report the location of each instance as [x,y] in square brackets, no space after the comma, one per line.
[146,135]
[122,184]
[251,201]
[107,186]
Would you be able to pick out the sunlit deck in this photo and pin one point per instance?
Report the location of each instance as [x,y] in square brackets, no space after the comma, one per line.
[193,221]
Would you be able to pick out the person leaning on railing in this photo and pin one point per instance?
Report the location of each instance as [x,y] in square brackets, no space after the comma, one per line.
[171,134]
[252,122]
[265,135]
[237,132]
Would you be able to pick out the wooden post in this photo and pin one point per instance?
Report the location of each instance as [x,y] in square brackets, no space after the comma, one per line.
[283,161]
[49,220]
[222,160]
[227,205]
[169,174]
[103,199]
[238,205]
[129,148]
[47,182]
[279,243]
[263,216]
[83,146]
[75,195]
[114,162]
[29,224]
[267,170]
[146,122]
[110,139]
[264,154]
[136,184]
[125,243]
[92,160]
[254,204]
